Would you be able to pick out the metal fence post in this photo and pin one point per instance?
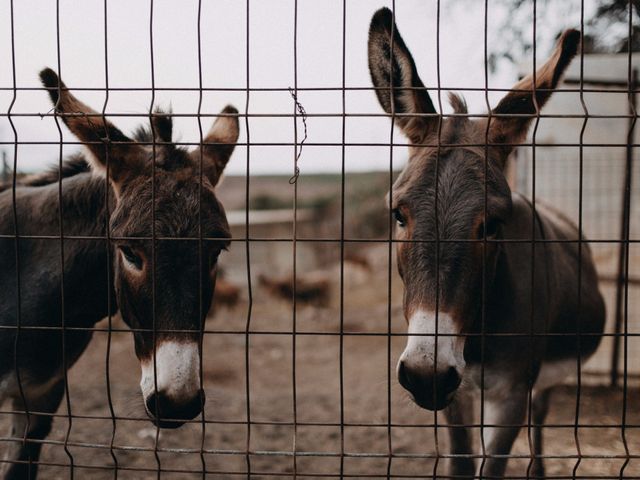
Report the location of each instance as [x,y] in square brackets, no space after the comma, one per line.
[622,276]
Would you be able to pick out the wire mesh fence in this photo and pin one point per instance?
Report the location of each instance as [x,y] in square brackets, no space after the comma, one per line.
[289,318]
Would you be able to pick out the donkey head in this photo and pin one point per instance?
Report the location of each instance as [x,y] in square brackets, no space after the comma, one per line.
[164,287]
[438,202]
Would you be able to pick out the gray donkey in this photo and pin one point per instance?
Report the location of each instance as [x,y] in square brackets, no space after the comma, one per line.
[486,308]
[163,290]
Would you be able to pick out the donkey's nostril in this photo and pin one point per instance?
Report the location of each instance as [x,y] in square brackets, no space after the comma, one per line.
[153,405]
[451,380]
[403,375]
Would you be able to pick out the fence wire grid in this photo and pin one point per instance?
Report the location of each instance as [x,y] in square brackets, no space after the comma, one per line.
[293,370]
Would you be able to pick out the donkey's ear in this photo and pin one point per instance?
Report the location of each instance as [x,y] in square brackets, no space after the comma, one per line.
[395,71]
[104,141]
[520,100]
[218,145]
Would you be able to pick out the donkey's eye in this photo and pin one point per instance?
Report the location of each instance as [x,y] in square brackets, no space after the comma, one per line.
[213,258]
[490,228]
[131,258]
[399,217]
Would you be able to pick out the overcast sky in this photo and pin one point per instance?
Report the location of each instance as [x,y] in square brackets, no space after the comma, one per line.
[271,50]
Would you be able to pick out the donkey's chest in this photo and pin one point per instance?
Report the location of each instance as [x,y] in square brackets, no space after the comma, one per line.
[490,378]
[498,381]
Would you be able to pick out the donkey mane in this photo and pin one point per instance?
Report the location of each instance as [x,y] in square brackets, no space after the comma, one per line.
[71,166]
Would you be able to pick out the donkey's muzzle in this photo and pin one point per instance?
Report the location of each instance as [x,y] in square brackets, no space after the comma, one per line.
[430,390]
[166,412]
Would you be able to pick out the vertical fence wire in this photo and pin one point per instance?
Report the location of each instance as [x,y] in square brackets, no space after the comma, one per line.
[294,303]
[154,252]
[622,279]
[580,249]
[437,233]
[632,82]
[534,227]
[201,312]
[107,229]
[63,323]
[483,312]
[342,230]
[390,243]
[247,331]
[16,243]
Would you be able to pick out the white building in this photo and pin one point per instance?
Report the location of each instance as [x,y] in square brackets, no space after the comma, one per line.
[603,153]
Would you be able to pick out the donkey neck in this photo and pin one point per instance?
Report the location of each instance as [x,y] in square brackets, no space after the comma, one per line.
[83,212]
[83,218]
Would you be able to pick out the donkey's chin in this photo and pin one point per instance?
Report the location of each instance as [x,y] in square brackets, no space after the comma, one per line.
[429,403]
[167,424]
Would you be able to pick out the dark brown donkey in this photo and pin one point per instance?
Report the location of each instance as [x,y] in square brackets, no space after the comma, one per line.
[163,290]
[486,309]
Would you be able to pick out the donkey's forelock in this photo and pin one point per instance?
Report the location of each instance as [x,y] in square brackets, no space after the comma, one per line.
[458,103]
[162,131]
[182,207]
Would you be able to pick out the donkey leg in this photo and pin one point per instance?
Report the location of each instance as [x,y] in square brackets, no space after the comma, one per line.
[498,440]
[539,409]
[21,459]
[459,414]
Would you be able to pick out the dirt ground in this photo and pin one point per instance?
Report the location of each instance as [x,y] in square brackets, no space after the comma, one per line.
[372,428]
